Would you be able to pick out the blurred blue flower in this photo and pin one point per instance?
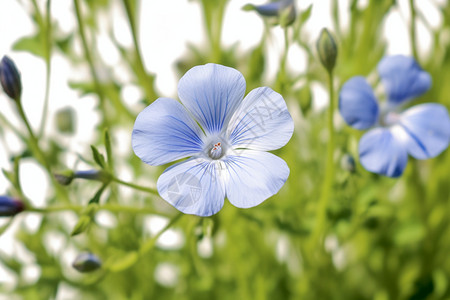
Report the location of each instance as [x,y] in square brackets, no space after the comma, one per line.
[422,131]
[275,9]
[227,153]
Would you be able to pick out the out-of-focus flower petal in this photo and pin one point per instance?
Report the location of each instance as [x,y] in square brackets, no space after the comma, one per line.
[164,132]
[212,93]
[381,151]
[428,129]
[271,9]
[357,103]
[253,176]
[403,78]
[262,121]
[193,187]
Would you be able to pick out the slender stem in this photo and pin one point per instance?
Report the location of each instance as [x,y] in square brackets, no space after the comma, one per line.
[88,56]
[40,156]
[34,141]
[135,186]
[412,29]
[116,208]
[143,77]
[48,49]
[148,245]
[329,172]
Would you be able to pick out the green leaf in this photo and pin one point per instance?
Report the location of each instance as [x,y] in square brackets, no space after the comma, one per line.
[96,198]
[120,263]
[109,155]
[82,225]
[32,44]
[98,157]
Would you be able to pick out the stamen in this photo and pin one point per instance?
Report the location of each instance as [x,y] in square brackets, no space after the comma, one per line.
[216,151]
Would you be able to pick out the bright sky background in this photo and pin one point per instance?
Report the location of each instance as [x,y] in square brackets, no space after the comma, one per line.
[165,28]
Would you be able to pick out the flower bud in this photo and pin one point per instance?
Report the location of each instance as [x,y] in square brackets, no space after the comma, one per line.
[98,175]
[65,120]
[10,78]
[64,177]
[10,207]
[86,262]
[327,49]
[284,10]
[348,163]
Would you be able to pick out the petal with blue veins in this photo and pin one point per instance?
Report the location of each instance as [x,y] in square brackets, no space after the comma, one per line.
[382,151]
[164,132]
[357,103]
[262,122]
[403,78]
[253,176]
[193,187]
[428,129]
[212,93]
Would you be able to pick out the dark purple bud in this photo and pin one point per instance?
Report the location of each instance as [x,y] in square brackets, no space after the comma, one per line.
[86,262]
[10,206]
[10,78]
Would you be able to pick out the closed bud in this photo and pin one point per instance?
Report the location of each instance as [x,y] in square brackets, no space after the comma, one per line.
[348,163]
[283,10]
[10,78]
[327,49]
[10,207]
[98,175]
[65,120]
[86,262]
[64,177]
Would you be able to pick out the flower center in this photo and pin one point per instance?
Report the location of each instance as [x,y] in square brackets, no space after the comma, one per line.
[390,118]
[216,151]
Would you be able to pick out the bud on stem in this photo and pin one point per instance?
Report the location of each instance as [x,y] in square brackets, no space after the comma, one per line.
[10,207]
[327,49]
[10,79]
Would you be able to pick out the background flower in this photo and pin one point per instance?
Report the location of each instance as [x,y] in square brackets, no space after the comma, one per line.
[422,131]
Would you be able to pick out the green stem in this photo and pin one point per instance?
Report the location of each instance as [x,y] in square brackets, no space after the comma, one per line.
[329,172]
[145,80]
[412,29]
[88,56]
[33,140]
[135,186]
[148,245]
[48,48]
[115,208]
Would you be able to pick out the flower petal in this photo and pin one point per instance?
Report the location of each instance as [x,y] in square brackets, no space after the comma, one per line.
[212,93]
[403,78]
[428,129]
[357,103]
[193,187]
[273,9]
[262,121]
[381,151]
[164,132]
[253,176]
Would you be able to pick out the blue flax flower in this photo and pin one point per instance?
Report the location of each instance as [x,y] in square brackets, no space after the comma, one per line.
[422,131]
[224,137]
